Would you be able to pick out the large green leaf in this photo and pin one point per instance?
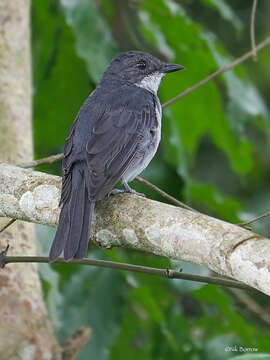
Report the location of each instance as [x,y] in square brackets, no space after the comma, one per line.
[133,340]
[203,111]
[245,103]
[145,331]
[94,42]
[212,199]
[60,80]
[173,149]
[225,11]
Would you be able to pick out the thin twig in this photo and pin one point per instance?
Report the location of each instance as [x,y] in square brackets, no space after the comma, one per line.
[7,225]
[252,30]
[47,160]
[219,72]
[167,273]
[164,194]
[255,219]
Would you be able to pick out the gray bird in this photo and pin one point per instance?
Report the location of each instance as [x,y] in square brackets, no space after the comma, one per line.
[114,136]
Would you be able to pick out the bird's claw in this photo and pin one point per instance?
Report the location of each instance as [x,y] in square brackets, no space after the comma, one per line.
[121,191]
[115,191]
[132,191]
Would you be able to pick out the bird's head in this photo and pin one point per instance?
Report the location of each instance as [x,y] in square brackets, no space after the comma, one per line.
[139,68]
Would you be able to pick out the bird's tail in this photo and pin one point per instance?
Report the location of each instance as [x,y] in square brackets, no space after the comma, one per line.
[75,219]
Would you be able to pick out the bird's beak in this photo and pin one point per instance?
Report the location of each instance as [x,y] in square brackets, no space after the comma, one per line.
[167,68]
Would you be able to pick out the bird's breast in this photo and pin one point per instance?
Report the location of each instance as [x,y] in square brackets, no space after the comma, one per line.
[147,147]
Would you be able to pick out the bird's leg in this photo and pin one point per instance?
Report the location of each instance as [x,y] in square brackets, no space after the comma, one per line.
[127,188]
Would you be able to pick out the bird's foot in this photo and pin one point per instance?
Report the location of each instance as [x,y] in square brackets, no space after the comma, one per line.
[130,190]
[127,189]
[116,191]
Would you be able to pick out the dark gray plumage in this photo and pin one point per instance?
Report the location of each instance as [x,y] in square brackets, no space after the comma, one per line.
[114,136]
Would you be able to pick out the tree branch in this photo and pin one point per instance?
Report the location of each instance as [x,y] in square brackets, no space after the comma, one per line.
[137,223]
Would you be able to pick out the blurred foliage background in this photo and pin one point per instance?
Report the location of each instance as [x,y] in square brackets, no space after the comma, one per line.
[214,156]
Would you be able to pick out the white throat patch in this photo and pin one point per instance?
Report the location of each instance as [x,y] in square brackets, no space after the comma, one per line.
[151,82]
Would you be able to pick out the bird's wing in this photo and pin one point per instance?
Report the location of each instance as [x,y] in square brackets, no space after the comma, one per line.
[114,142]
[66,165]
[76,140]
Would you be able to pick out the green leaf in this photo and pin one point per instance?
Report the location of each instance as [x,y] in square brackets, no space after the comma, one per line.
[162,175]
[147,337]
[143,297]
[94,42]
[221,308]
[208,195]
[61,81]
[133,340]
[155,35]
[171,142]
[194,116]
[225,11]
[245,101]
[45,15]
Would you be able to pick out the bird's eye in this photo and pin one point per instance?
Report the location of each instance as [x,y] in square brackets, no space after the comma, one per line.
[141,64]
